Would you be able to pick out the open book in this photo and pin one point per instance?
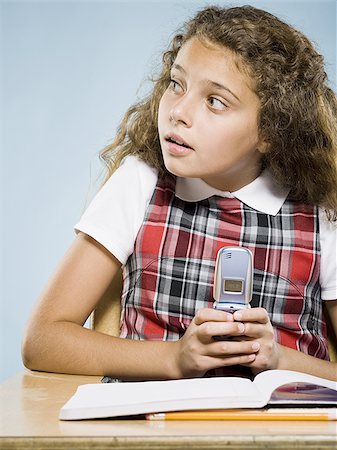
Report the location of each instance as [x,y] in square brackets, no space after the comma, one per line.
[132,398]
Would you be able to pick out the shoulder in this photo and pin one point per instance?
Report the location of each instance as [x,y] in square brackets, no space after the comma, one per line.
[133,170]
[132,183]
[115,214]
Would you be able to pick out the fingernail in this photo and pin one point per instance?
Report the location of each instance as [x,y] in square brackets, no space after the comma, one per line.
[238,316]
[255,346]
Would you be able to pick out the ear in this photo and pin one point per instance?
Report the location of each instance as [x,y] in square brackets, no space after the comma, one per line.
[263,146]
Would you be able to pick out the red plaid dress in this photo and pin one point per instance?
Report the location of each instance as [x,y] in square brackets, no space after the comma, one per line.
[170,274]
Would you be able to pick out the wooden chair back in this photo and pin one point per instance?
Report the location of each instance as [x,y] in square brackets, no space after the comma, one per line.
[106,317]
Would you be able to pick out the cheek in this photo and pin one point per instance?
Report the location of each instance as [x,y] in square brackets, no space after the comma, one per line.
[241,133]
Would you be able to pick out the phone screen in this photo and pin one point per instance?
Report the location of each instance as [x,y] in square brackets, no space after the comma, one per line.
[235,286]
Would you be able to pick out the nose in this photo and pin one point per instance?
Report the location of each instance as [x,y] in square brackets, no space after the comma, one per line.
[182,111]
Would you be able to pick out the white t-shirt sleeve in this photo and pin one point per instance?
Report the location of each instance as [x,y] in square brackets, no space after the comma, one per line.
[116,213]
[328,273]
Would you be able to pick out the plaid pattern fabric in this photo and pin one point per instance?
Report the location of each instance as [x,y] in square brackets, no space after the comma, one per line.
[170,274]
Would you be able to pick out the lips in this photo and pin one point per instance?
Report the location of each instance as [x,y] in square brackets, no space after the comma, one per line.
[176,139]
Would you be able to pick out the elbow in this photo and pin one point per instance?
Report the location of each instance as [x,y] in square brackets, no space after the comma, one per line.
[27,352]
[30,351]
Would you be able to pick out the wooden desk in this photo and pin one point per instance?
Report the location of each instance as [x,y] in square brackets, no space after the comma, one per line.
[30,403]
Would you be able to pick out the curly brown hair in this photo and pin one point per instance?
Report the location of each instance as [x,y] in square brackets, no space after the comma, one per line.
[298,114]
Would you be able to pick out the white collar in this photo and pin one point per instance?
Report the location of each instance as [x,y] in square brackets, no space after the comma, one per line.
[261,194]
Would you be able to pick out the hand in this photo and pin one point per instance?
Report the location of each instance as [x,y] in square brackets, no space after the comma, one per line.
[259,328]
[197,351]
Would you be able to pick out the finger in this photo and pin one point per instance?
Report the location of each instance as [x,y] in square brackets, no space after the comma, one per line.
[212,315]
[232,348]
[211,329]
[258,330]
[213,362]
[251,315]
[239,360]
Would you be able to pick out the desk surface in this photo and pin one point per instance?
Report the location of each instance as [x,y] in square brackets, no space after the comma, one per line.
[30,403]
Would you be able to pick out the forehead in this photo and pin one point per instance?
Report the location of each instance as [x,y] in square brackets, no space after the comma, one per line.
[214,62]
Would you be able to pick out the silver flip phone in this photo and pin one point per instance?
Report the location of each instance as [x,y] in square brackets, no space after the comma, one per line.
[233,279]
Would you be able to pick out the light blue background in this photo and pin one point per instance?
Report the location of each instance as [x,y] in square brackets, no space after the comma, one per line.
[69,70]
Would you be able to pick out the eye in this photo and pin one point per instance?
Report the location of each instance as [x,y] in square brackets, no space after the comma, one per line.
[215,103]
[175,86]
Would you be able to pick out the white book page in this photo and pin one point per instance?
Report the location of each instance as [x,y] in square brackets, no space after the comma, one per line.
[268,381]
[150,396]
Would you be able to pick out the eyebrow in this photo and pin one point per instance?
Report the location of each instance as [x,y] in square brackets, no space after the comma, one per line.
[209,82]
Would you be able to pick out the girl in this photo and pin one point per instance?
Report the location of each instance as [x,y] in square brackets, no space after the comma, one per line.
[236,145]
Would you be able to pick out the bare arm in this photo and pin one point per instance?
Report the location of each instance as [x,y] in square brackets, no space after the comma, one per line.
[293,360]
[56,341]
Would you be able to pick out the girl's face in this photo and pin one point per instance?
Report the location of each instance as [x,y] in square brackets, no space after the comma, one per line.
[208,119]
